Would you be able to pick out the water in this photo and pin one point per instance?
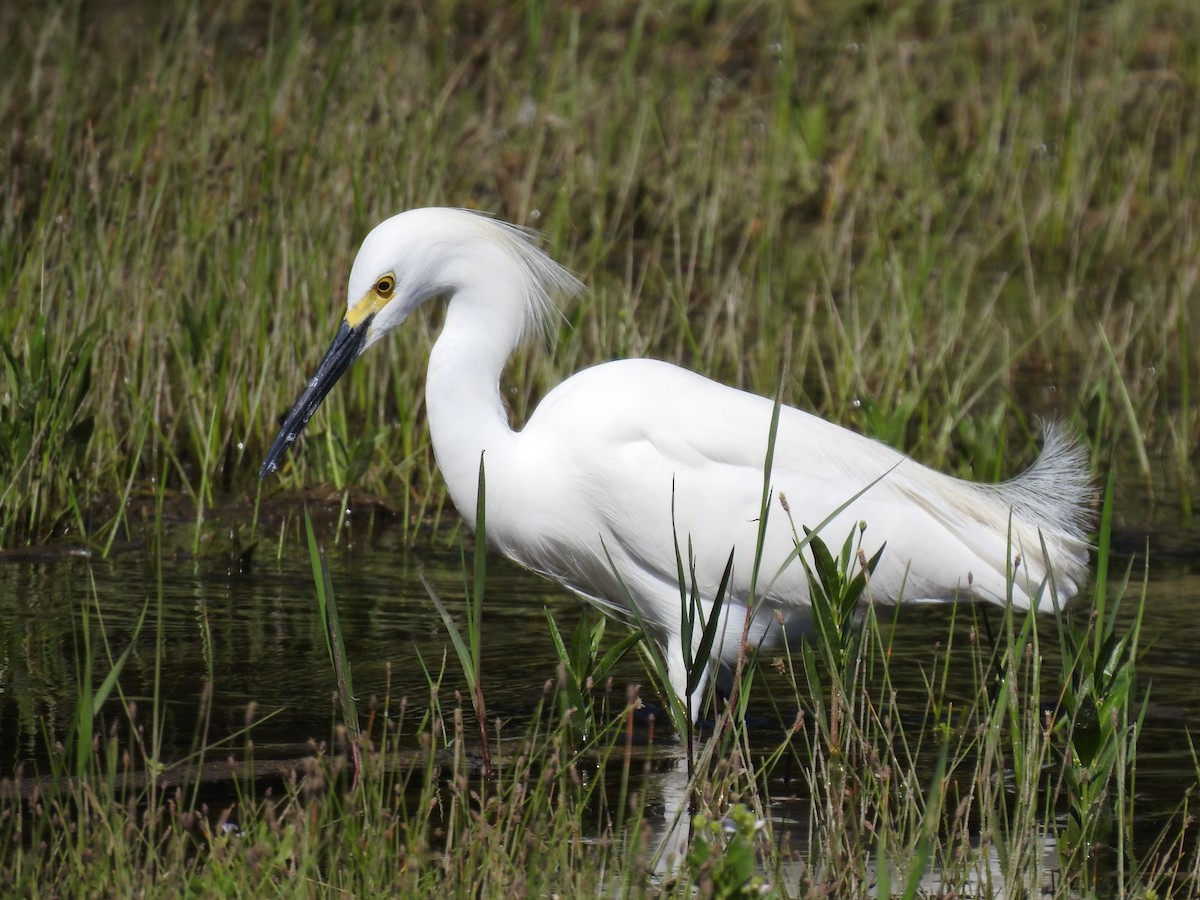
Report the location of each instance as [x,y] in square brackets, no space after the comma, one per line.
[254,635]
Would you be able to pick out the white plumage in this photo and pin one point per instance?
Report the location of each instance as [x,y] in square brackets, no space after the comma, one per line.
[584,491]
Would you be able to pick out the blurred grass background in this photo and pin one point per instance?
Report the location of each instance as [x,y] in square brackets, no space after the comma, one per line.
[939,220]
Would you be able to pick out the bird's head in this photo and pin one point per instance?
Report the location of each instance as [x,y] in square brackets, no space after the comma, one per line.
[416,256]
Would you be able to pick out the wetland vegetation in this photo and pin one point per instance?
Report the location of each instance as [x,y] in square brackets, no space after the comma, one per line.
[937,222]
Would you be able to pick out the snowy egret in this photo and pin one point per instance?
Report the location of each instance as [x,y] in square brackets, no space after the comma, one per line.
[621,460]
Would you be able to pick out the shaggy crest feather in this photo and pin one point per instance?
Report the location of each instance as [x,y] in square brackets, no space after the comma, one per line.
[545,281]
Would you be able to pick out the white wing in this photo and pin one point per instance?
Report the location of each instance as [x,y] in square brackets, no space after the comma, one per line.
[611,450]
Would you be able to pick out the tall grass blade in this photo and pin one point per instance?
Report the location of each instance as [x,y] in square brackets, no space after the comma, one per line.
[468,650]
[331,628]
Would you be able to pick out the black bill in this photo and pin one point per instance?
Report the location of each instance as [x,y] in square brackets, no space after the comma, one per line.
[341,353]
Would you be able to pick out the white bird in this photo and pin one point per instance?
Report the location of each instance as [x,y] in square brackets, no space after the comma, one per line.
[623,459]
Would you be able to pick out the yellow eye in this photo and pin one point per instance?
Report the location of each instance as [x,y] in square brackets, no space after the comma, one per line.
[385,285]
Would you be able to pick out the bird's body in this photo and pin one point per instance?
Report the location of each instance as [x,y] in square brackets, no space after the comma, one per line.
[626,461]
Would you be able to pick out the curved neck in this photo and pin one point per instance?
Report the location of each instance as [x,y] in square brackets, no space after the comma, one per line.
[466,415]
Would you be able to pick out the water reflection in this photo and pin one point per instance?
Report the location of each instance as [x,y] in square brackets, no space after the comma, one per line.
[255,638]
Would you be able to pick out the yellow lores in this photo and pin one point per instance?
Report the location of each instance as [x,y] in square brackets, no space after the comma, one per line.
[375,300]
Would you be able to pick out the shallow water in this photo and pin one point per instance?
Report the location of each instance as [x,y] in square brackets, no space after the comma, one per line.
[254,636]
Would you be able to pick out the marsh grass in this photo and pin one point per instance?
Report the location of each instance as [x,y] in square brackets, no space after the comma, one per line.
[1010,769]
[941,222]
[467,650]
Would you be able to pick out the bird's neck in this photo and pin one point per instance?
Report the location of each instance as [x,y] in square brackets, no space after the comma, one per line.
[467,418]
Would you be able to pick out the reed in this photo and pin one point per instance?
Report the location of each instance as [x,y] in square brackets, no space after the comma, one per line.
[933,224]
[1010,768]
[940,225]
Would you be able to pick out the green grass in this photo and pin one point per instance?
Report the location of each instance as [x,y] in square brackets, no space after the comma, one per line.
[933,223]
[1014,773]
[939,222]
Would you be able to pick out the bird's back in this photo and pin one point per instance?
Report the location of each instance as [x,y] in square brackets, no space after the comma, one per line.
[634,456]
